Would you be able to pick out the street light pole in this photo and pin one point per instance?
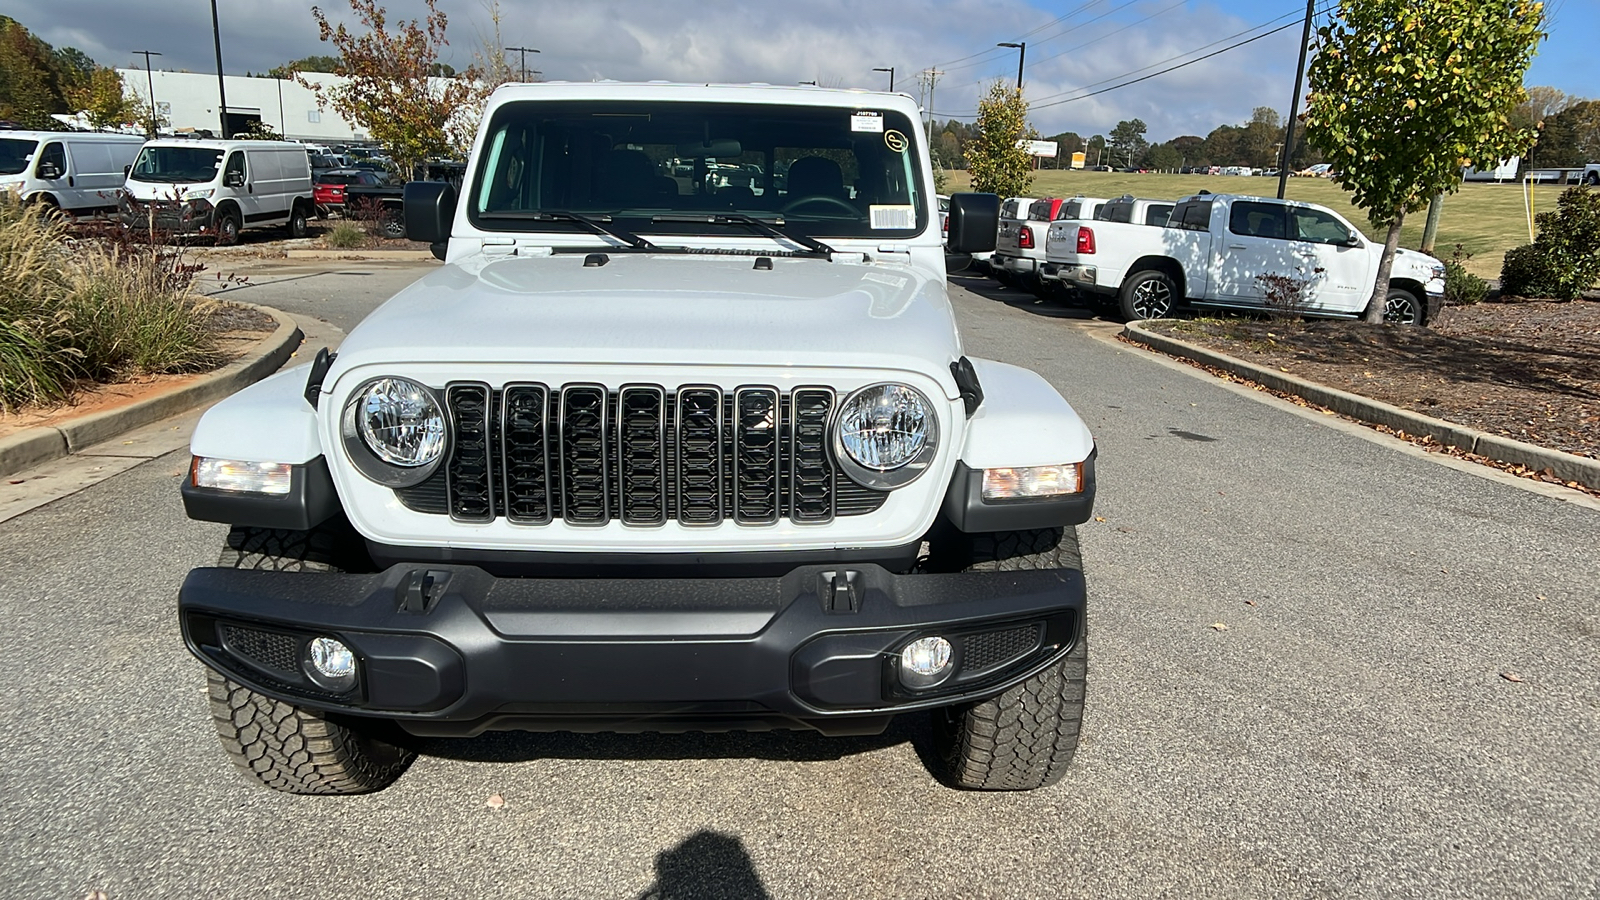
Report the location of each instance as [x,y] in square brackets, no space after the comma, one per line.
[524,51]
[1294,105]
[222,90]
[151,81]
[1022,57]
[890,70]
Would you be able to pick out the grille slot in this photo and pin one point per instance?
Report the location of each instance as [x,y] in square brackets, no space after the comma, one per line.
[588,455]
[524,447]
[471,472]
[991,650]
[271,649]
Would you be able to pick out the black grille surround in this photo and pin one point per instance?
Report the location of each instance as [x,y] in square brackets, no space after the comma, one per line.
[589,455]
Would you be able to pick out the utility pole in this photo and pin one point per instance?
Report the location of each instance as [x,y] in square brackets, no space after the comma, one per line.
[933,79]
[151,81]
[222,90]
[890,70]
[1294,105]
[524,51]
[1021,58]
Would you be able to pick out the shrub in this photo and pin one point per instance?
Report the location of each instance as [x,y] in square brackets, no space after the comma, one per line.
[85,308]
[345,235]
[1564,260]
[1462,288]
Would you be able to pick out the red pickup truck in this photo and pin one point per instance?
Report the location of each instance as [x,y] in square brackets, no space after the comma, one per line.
[329,190]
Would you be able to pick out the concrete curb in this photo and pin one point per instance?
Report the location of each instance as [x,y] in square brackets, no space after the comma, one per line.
[1565,466]
[38,445]
[359,254]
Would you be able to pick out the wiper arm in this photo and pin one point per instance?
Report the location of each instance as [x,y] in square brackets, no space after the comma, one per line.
[755,224]
[558,215]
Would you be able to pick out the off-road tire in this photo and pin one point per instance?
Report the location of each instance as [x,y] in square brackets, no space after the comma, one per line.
[1150,294]
[1403,308]
[1005,551]
[1020,740]
[297,221]
[1592,179]
[301,751]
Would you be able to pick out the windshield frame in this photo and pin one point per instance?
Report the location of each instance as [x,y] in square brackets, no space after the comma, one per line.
[27,159]
[693,213]
[216,169]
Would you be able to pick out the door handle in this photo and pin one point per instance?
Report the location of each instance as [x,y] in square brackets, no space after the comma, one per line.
[250,188]
[71,182]
[1237,247]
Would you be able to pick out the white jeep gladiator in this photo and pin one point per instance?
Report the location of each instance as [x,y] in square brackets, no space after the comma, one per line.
[1223,250]
[653,452]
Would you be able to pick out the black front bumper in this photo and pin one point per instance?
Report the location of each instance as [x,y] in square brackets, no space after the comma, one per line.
[452,650]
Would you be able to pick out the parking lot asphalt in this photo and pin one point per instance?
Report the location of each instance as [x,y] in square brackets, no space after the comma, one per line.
[1319,667]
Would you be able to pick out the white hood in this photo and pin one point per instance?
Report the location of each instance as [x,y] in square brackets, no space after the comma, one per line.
[645,309]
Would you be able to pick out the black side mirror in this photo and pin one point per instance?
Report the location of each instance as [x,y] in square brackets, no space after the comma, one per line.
[974,221]
[126,170]
[49,171]
[233,179]
[429,208]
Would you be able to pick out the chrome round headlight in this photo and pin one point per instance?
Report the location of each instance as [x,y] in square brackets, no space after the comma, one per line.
[395,431]
[886,435]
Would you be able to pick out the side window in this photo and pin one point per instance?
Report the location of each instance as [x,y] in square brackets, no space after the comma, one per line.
[1157,214]
[1262,220]
[1318,227]
[54,155]
[1103,214]
[234,170]
[1192,216]
[1119,212]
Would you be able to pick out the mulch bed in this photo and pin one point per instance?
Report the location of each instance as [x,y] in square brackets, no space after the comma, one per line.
[1528,371]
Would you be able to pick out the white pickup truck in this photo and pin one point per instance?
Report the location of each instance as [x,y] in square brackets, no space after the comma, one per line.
[1223,250]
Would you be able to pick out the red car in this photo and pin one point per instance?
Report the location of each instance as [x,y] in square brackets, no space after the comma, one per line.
[328,191]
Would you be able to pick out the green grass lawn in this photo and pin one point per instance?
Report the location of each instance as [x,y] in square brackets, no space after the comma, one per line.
[1486,219]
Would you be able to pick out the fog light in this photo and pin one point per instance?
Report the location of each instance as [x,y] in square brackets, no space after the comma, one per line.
[925,662]
[331,664]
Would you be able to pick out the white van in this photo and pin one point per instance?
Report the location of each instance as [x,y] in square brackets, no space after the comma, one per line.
[77,172]
[219,187]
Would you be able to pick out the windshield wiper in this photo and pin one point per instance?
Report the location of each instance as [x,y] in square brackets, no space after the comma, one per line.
[755,224]
[558,215]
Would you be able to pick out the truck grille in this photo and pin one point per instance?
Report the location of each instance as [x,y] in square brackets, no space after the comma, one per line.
[590,455]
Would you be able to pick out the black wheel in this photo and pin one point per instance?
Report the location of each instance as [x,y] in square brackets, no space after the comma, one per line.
[301,751]
[227,227]
[392,224]
[1150,294]
[297,221]
[1402,308]
[286,748]
[1005,551]
[1592,179]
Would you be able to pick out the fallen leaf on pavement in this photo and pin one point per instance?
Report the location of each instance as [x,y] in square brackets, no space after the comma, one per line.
[1511,676]
[1218,626]
[1249,603]
[495,801]
[1096,518]
[16,481]
[97,895]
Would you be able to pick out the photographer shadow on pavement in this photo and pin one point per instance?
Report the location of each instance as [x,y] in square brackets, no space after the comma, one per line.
[706,866]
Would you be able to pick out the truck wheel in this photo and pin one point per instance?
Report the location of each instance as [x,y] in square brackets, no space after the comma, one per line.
[300,751]
[330,547]
[1005,551]
[1148,295]
[227,228]
[392,224]
[1592,179]
[1020,740]
[1402,308]
[297,221]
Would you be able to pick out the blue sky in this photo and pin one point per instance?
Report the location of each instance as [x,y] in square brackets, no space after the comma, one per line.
[1074,46]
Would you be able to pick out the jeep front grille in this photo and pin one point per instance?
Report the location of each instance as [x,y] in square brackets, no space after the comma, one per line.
[591,455]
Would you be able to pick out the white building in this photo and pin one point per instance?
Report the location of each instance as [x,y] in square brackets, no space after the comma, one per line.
[187,102]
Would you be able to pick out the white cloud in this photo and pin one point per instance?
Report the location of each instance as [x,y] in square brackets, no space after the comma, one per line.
[836,42]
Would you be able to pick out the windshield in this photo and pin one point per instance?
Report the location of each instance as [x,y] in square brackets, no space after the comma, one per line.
[15,153]
[824,171]
[176,165]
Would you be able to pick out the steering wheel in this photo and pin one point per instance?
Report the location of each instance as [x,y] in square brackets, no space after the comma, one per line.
[792,205]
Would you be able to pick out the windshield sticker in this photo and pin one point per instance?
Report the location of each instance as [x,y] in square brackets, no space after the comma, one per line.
[895,141]
[892,216]
[866,120]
